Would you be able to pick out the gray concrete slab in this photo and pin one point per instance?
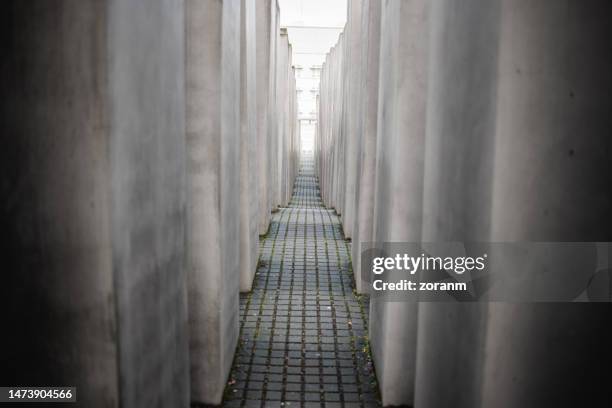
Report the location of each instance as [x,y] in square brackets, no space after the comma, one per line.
[551,183]
[249,157]
[213,145]
[93,182]
[352,115]
[148,196]
[457,191]
[56,234]
[366,154]
[263,25]
[399,183]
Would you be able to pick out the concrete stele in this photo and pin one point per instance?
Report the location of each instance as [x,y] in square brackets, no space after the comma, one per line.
[213,131]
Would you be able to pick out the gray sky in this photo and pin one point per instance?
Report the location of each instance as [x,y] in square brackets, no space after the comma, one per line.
[310,44]
[313,27]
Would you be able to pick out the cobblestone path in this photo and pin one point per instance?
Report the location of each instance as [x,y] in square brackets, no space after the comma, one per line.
[302,340]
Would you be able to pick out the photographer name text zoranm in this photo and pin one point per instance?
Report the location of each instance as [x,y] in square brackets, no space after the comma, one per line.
[413,264]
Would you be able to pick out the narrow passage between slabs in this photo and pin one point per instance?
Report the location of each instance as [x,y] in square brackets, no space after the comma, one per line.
[302,339]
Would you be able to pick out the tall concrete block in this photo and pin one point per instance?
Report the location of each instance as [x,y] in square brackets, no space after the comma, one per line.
[524,160]
[281,140]
[331,135]
[327,120]
[263,35]
[320,128]
[334,108]
[319,144]
[56,222]
[274,110]
[337,104]
[297,137]
[366,149]
[352,114]
[292,149]
[340,138]
[294,123]
[332,105]
[327,107]
[399,184]
[249,191]
[517,179]
[289,125]
[293,127]
[213,132]
[551,183]
[457,191]
[320,140]
[277,112]
[93,183]
[147,125]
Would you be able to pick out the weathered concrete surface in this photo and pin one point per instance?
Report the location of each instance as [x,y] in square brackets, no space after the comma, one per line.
[282,138]
[56,216]
[352,115]
[366,151]
[289,139]
[515,148]
[213,131]
[399,184]
[269,165]
[335,106]
[276,79]
[93,185]
[551,183]
[292,124]
[263,57]
[249,158]
[147,125]
[521,184]
[339,138]
[273,110]
[457,190]
[329,124]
